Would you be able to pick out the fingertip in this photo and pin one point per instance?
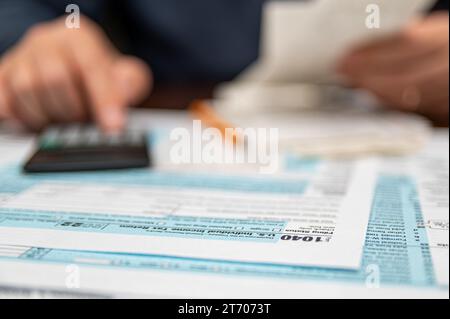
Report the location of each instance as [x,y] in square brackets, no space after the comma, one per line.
[345,65]
[134,79]
[340,67]
[112,119]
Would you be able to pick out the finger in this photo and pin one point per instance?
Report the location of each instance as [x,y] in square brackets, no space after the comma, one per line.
[94,61]
[107,104]
[25,88]
[395,53]
[425,84]
[133,78]
[431,79]
[61,95]
[390,59]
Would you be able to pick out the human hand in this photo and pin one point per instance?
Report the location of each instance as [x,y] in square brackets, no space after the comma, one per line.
[56,74]
[408,71]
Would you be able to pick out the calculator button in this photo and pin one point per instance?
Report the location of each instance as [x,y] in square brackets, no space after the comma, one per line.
[92,136]
[50,140]
[71,136]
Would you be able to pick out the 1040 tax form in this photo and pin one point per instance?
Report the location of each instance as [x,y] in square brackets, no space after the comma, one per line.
[315,217]
[399,260]
[405,251]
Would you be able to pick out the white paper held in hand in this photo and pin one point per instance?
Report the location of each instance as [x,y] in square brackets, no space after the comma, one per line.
[302,41]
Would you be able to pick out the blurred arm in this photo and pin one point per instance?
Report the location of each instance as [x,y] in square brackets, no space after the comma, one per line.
[58,75]
[17,16]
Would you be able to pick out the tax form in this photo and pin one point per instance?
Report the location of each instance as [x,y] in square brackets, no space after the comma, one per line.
[432,175]
[315,220]
[316,216]
[396,261]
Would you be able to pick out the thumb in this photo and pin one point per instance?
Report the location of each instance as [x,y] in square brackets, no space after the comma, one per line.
[133,79]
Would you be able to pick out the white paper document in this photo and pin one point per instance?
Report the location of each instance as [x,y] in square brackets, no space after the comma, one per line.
[55,278]
[396,262]
[303,40]
[317,217]
[160,233]
[343,132]
[432,176]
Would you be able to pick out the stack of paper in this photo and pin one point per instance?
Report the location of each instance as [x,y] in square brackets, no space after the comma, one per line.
[296,219]
[172,234]
[301,44]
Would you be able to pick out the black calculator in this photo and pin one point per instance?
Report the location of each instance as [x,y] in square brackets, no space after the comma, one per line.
[85,148]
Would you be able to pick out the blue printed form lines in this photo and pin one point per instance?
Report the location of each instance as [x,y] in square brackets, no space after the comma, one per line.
[396,245]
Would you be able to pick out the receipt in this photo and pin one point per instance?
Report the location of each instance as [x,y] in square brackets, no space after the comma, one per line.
[302,41]
[342,130]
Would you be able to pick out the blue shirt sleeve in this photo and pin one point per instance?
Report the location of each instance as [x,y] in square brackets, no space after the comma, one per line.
[441,5]
[17,16]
